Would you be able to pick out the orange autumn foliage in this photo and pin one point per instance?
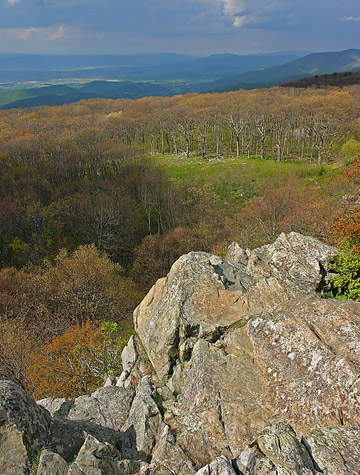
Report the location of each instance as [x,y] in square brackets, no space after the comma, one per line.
[55,369]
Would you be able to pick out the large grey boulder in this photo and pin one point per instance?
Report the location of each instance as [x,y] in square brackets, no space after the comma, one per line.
[24,429]
[67,437]
[97,458]
[108,407]
[100,415]
[293,259]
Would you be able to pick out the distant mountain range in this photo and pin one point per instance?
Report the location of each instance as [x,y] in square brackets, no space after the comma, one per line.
[138,67]
[155,75]
[310,65]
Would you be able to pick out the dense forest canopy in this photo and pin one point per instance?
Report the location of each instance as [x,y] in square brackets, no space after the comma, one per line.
[298,123]
[90,216]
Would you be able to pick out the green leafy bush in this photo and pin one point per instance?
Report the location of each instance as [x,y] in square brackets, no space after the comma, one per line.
[351,148]
[346,265]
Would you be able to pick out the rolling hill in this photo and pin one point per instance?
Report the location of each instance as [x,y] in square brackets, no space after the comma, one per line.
[62,94]
[310,65]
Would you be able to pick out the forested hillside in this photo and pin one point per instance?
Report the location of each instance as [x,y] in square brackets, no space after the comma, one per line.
[98,199]
[348,78]
[315,63]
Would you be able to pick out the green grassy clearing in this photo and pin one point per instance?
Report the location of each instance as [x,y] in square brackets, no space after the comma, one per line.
[236,179]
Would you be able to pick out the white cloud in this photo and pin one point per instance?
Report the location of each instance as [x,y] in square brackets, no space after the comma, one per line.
[234,7]
[10,3]
[59,33]
[351,18]
[240,20]
[243,13]
[51,33]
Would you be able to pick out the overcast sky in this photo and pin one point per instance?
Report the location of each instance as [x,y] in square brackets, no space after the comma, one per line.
[181,26]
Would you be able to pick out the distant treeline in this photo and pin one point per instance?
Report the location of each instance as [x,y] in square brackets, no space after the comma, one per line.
[347,78]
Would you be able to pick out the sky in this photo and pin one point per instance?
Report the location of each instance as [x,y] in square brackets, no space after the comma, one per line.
[198,27]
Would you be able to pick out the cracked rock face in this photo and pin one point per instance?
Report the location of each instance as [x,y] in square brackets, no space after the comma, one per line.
[279,451]
[299,363]
[335,449]
[310,352]
[203,294]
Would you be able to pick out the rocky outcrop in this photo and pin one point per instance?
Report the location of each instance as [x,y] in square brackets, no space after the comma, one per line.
[245,343]
[204,294]
[238,366]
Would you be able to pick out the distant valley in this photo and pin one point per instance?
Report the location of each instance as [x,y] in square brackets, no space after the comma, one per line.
[138,67]
[36,80]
